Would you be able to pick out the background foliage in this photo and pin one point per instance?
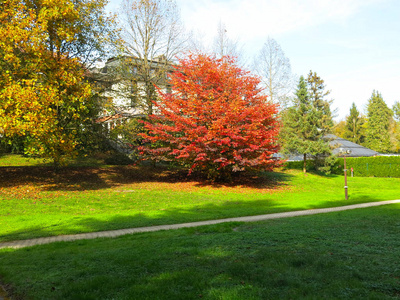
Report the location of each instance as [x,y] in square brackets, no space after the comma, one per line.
[379,166]
[46,102]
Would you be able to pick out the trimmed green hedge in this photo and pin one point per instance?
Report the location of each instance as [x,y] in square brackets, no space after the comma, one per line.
[378,166]
[298,165]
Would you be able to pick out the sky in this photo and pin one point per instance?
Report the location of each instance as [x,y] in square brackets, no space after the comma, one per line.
[353,45]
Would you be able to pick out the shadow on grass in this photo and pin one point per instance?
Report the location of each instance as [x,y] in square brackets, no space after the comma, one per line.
[253,180]
[360,198]
[95,178]
[316,172]
[340,256]
[75,224]
[65,179]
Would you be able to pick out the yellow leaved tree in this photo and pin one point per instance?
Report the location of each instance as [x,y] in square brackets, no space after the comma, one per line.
[46,47]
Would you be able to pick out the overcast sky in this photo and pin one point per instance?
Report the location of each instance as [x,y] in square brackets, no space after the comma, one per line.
[354,45]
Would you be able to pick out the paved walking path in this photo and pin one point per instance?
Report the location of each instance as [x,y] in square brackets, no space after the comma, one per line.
[115,233]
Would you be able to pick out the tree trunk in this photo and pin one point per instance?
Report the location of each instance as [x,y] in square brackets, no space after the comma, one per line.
[305,163]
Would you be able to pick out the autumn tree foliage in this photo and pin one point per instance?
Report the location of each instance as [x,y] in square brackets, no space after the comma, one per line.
[44,97]
[216,120]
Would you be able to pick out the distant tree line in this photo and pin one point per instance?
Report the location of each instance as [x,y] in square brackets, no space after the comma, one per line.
[50,100]
[378,129]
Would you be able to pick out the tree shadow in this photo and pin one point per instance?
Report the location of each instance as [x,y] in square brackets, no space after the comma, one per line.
[176,215]
[47,178]
[230,261]
[255,180]
[96,178]
[358,199]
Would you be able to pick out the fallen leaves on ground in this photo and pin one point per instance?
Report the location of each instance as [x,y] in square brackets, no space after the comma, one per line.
[38,182]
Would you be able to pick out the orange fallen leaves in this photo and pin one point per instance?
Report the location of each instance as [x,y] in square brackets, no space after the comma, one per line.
[39,183]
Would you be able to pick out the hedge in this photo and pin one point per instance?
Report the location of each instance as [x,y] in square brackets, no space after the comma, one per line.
[298,165]
[378,166]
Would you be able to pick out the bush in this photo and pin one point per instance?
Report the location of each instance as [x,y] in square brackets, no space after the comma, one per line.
[215,121]
[325,165]
[379,166]
[118,159]
[298,165]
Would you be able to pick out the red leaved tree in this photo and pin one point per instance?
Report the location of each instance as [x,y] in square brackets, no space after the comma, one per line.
[216,119]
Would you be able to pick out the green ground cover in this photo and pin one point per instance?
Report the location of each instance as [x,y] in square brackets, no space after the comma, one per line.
[345,255]
[36,201]
[16,160]
[13,160]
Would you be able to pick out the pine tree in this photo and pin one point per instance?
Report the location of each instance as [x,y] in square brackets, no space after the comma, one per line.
[302,126]
[318,96]
[354,130]
[379,118]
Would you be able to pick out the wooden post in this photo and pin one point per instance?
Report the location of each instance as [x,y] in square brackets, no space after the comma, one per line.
[345,179]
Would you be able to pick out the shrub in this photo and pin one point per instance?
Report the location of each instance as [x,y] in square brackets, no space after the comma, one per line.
[216,120]
[379,166]
[118,159]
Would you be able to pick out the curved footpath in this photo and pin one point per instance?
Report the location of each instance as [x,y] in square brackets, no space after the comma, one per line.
[115,233]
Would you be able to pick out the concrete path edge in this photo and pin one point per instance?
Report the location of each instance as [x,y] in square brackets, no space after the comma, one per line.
[120,232]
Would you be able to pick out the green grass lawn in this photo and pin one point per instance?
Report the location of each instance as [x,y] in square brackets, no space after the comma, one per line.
[36,201]
[344,255]
[16,160]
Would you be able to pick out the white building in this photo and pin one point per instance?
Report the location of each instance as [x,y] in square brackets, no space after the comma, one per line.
[128,83]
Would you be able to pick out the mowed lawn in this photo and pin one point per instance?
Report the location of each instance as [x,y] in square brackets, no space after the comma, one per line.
[36,201]
[344,255]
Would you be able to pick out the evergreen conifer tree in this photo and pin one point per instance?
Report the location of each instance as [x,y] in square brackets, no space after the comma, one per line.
[379,118]
[354,130]
[302,131]
[318,94]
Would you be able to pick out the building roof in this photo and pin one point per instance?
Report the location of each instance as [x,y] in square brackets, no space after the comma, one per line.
[355,150]
[336,143]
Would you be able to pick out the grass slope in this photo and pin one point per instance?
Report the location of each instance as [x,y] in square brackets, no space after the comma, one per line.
[36,201]
[347,255]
